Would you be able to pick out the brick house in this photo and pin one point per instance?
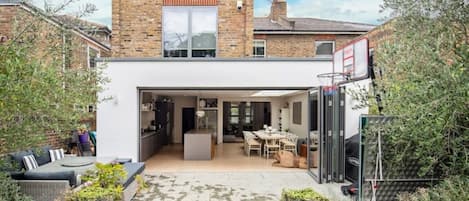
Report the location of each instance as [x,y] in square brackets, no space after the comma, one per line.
[206,56]
[50,31]
[235,32]
[281,36]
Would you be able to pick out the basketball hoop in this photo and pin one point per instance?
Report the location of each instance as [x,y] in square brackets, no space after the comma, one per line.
[329,82]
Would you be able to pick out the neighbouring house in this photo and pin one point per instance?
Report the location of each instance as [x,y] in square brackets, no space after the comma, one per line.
[49,32]
[209,68]
[278,35]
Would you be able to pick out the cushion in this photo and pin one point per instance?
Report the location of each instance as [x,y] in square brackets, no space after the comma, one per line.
[56,154]
[30,162]
[132,169]
[42,155]
[17,159]
[59,175]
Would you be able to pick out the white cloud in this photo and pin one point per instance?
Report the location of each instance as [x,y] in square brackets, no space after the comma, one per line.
[366,11]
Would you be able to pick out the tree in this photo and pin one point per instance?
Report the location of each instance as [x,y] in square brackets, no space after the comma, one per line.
[426,85]
[40,90]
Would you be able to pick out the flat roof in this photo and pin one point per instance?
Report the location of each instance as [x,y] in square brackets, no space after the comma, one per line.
[155,59]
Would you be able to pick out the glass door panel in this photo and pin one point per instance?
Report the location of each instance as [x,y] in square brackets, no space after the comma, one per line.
[313,139]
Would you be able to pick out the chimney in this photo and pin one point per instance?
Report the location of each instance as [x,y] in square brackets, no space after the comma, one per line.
[278,9]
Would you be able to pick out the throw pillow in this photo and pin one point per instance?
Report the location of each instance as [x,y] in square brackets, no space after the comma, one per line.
[56,154]
[42,155]
[30,162]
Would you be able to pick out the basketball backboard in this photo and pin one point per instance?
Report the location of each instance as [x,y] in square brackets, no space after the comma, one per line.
[352,60]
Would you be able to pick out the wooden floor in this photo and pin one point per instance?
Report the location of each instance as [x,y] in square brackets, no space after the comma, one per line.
[228,157]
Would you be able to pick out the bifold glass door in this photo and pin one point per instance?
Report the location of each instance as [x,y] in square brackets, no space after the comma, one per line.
[313,139]
[326,159]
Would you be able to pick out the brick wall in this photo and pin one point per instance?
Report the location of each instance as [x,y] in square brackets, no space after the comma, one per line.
[299,45]
[137,28]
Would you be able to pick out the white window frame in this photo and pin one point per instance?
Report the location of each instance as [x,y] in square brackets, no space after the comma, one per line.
[265,48]
[319,42]
[98,55]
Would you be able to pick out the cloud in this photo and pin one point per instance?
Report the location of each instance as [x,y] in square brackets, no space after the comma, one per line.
[103,14]
[365,11]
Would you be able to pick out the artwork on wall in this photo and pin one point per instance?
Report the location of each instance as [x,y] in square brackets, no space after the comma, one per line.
[297,113]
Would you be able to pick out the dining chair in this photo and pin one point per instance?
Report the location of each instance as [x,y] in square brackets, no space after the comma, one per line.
[271,146]
[290,143]
[251,144]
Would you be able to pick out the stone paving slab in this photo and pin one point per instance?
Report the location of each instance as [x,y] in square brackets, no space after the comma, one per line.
[230,186]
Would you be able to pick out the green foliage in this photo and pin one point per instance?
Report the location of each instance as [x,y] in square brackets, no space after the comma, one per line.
[453,188]
[9,191]
[307,194]
[39,92]
[103,183]
[426,86]
[142,185]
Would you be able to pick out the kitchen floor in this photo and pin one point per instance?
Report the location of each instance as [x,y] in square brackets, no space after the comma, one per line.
[228,157]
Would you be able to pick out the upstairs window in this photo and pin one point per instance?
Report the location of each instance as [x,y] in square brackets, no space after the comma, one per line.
[258,49]
[189,31]
[92,55]
[324,48]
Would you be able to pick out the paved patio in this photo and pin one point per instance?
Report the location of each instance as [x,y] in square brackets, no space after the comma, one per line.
[230,186]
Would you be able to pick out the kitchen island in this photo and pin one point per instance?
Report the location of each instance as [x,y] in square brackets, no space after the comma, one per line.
[199,144]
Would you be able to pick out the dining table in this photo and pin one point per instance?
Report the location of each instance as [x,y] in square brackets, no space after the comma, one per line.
[263,135]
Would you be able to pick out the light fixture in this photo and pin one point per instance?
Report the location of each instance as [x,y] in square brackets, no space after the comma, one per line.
[200,113]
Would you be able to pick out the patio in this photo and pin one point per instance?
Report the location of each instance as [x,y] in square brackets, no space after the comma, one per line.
[231,186]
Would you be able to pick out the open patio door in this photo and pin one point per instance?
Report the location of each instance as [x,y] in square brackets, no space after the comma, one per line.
[330,136]
[314,145]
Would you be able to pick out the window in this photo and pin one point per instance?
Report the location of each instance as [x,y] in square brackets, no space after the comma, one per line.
[324,48]
[258,49]
[189,31]
[92,55]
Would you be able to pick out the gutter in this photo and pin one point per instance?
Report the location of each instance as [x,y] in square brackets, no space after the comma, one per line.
[310,32]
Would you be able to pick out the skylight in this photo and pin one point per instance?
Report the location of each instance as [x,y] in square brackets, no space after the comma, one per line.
[272,93]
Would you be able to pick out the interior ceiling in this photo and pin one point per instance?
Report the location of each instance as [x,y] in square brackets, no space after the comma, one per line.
[227,93]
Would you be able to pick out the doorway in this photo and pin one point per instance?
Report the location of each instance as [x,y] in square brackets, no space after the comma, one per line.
[188,120]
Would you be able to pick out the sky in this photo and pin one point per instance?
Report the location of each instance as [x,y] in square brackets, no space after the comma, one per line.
[364,11]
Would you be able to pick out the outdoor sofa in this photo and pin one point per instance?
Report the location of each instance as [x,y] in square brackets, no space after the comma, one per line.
[51,180]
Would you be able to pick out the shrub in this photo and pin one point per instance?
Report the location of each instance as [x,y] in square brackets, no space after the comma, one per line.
[103,183]
[9,190]
[453,188]
[307,194]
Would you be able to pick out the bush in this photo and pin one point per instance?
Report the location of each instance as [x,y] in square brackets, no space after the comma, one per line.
[103,183]
[453,188]
[9,191]
[307,194]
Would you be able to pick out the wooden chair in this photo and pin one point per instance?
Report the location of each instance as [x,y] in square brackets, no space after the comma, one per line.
[290,143]
[251,144]
[271,146]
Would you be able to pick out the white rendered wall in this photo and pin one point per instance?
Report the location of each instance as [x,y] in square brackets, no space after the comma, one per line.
[299,129]
[117,119]
[352,116]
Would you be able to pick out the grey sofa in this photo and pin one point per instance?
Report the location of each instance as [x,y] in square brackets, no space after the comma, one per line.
[51,180]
